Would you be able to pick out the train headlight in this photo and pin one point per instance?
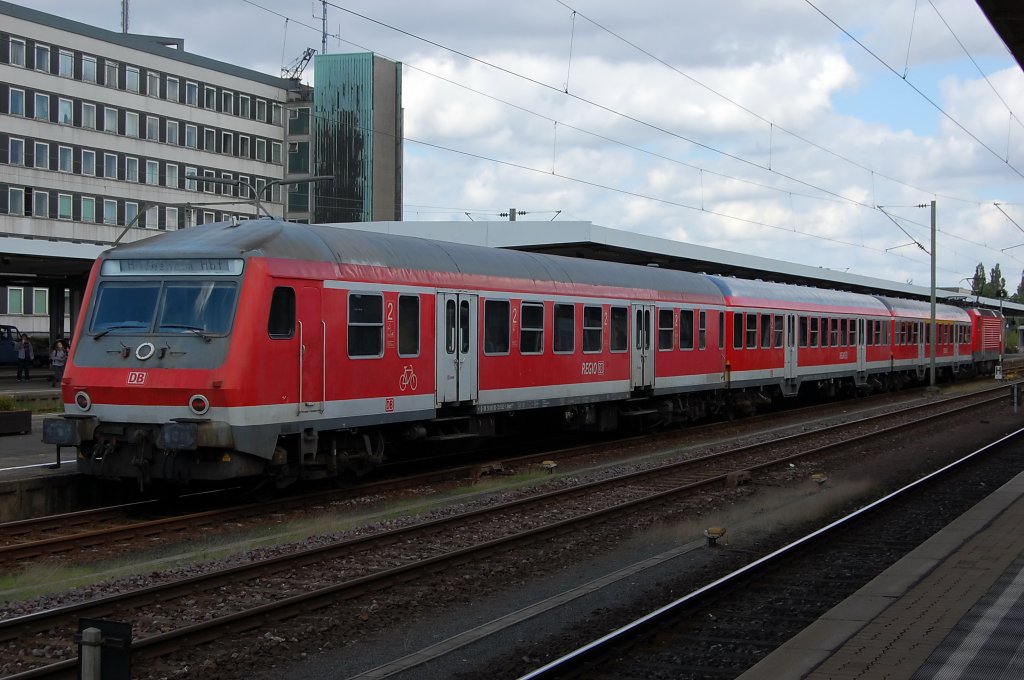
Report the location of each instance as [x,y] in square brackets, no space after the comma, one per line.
[83,401]
[199,404]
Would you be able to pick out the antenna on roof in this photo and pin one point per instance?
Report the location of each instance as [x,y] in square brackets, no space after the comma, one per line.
[124,16]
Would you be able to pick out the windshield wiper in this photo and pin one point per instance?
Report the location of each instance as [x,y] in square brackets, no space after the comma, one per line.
[195,329]
[117,327]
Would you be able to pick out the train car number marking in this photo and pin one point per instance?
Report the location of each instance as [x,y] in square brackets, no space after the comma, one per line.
[136,377]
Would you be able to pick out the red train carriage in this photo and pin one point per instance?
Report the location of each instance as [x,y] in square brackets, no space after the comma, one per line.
[911,337]
[987,338]
[280,351]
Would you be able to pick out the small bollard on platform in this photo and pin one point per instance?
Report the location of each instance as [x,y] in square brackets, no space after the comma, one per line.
[104,650]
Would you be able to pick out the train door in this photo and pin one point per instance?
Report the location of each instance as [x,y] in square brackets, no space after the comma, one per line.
[862,346]
[641,356]
[791,343]
[312,330]
[457,378]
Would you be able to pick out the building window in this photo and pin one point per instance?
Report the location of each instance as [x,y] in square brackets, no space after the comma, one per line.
[17,53]
[15,201]
[42,58]
[39,306]
[210,98]
[152,172]
[275,113]
[110,165]
[191,136]
[243,105]
[227,189]
[88,116]
[171,218]
[275,152]
[110,120]
[243,186]
[151,217]
[42,111]
[16,104]
[16,151]
[259,186]
[89,69]
[261,110]
[39,301]
[41,203]
[109,211]
[88,162]
[41,155]
[131,169]
[64,159]
[209,217]
[208,187]
[131,124]
[190,183]
[243,146]
[15,301]
[171,175]
[209,139]
[226,145]
[172,89]
[66,64]
[88,209]
[65,111]
[152,83]
[227,102]
[110,74]
[131,212]
[63,206]
[153,128]
[261,149]
[191,93]
[132,82]
[172,132]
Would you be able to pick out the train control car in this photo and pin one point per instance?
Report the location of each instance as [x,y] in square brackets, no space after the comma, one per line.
[271,352]
[911,337]
[987,339]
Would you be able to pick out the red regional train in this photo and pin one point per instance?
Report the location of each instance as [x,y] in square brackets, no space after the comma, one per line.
[274,352]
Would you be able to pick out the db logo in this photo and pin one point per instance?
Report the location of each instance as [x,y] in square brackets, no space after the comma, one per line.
[136,377]
[389,404]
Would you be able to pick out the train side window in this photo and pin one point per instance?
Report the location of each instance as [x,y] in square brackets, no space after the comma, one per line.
[702,330]
[779,328]
[751,331]
[834,324]
[365,325]
[449,326]
[496,326]
[813,342]
[666,325]
[531,328]
[737,330]
[804,331]
[281,322]
[766,331]
[463,326]
[619,329]
[565,328]
[408,325]
[721,329]
[844,338]
[592,328]
[686,328]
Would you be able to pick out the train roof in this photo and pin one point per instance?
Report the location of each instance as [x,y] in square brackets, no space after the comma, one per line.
[404,254]
[921,309]
[747,293]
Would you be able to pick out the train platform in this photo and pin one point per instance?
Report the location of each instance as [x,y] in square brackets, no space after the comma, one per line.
[952,609]
[26,452]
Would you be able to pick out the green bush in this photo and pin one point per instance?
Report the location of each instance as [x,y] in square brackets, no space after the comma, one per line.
[7,403]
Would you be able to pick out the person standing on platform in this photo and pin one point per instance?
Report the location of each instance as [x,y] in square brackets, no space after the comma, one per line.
[25,357]
[58,357]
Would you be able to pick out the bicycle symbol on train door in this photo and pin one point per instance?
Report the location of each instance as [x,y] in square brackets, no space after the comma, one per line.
[407,379]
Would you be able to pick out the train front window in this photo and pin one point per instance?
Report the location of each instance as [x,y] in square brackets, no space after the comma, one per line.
[125,307]
[191,306]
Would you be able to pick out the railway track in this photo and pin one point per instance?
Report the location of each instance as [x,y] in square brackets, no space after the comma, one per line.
[27,541]
[253,594]
[722,629]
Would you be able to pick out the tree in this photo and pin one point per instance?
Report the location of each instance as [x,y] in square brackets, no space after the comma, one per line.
[979,281]
[996,283]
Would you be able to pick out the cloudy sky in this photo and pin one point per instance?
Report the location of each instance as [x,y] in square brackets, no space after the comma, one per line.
[770,128]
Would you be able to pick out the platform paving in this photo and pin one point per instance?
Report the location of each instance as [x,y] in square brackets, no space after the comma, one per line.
[951,609]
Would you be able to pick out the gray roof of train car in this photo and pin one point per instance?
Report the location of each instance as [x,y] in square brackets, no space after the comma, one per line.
[277,239]
[923,309]
[803,295]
